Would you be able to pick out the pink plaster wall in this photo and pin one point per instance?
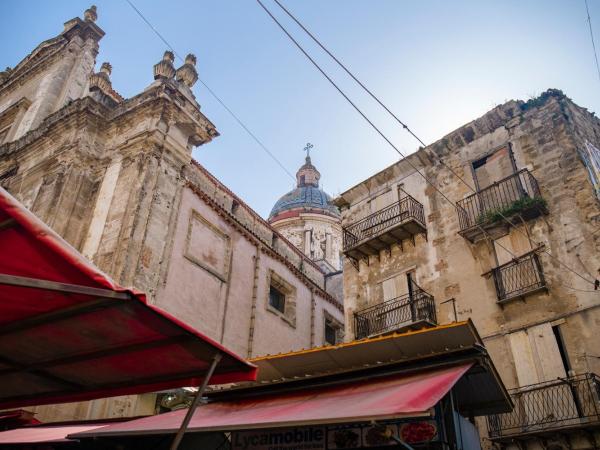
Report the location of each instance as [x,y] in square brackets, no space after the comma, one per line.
[221,306]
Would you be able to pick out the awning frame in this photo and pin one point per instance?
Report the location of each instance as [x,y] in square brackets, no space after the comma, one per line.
[192,409]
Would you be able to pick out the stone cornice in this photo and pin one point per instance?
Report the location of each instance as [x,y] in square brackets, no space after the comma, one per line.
[46,53]
[33,64]
[179,109]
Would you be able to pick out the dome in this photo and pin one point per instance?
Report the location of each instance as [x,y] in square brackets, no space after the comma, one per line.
[304,199]
[307,197]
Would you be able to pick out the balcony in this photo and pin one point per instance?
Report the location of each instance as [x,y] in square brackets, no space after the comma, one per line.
[514,197]
[519,277]
[563,404]
[392,224]
[413,310]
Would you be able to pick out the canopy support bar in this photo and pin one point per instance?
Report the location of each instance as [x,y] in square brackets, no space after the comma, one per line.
[195,402]
[34,283]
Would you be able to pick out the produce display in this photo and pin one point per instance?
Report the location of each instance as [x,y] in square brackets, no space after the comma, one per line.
[414,432]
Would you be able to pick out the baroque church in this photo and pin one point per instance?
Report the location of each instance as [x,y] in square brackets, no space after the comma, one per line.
[115,178]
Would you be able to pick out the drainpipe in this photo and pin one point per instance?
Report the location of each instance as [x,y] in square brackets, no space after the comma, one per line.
[312,317]
[253,308]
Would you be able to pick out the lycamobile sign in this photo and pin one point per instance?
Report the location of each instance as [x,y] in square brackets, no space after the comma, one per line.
[284,439]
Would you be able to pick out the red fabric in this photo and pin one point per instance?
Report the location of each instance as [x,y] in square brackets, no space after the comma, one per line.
[45,434]
[31,249]
[394,396]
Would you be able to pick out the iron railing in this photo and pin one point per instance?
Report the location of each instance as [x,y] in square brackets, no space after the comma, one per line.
[394,314]
[563,403]
[519,276]
[375,224]
[515,193]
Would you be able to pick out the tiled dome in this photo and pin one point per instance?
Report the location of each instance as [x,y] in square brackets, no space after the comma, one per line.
[307,197]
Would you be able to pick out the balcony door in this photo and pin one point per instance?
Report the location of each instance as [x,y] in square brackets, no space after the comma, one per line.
[537,360]
[495,166]
[395,292]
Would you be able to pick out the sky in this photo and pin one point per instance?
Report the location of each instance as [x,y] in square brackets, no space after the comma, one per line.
[436,64]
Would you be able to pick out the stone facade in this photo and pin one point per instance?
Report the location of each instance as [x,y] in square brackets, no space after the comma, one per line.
[116,179]
[538,319]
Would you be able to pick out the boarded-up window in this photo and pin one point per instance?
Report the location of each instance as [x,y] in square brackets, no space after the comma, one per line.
[515,243]
[382,200]
[397,286]
[536,355]
[493,167]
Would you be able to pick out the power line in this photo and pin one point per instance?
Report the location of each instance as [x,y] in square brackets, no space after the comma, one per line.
[592,37]
[211,92]
[397,119]
[365,117]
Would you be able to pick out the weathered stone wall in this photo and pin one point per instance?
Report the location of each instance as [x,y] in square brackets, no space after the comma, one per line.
[544,135]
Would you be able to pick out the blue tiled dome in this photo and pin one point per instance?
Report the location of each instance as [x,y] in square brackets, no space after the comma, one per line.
[307,198]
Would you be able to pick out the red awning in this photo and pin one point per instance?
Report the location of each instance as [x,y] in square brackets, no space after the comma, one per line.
[69,333]
[44,434]
[370,399]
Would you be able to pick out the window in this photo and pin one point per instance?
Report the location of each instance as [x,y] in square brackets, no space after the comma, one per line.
[333,329]
[330,333]
[281,298]
[562,349]
[277,299]
[493,167]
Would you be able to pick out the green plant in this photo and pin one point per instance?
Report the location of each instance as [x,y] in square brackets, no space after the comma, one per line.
[522,204]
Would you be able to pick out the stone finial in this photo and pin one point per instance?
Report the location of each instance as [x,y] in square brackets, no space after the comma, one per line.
[187,73]
[190,59]
[164,69]
[101,80]
[90,14]
[106,68]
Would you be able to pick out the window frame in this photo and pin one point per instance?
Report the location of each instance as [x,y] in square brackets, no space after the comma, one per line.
[279,305]
[288,290]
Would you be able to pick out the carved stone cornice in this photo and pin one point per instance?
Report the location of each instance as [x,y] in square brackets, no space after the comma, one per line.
[161,103]
[46,52]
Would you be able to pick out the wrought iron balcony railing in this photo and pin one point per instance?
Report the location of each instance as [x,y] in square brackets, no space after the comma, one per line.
[402,312]
[519,277]
[393,223]
[572,402]
[516,194]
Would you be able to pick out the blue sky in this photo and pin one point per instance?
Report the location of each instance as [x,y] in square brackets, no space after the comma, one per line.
[437,64]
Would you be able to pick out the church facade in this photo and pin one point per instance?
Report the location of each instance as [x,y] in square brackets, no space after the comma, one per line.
[115,177]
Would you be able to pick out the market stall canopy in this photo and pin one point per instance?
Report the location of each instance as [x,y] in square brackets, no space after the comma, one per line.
[394,396]
[479,392]
[69,333]
[44,434]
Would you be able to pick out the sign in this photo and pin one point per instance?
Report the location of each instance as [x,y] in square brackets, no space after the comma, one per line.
[338,437]
[305,438]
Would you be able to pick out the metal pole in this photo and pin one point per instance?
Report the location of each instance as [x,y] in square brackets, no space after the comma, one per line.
[194,405]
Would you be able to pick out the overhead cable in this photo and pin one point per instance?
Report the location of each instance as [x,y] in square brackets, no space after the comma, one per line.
[214,95]
[297,44]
